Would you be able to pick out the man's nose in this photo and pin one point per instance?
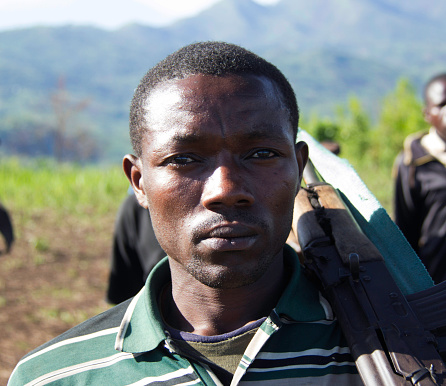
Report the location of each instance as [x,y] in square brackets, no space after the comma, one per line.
[226,187]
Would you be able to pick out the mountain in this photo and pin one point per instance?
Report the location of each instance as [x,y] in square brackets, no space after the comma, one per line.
[328,50]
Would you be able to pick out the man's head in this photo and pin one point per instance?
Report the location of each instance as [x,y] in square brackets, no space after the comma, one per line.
[211,58]
[218,166]
[435,102]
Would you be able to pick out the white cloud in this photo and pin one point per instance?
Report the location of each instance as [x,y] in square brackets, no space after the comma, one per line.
[178,7]
[102,13]
[23,5]
[183,8]
[267,2]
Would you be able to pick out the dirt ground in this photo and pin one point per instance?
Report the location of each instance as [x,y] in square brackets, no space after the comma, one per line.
[54,278]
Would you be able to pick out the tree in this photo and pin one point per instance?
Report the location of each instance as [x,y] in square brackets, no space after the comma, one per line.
[354,134]
[400,116]
[65,111]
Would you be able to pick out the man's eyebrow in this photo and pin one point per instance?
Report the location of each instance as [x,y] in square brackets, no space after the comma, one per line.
[266,133]
[186,138]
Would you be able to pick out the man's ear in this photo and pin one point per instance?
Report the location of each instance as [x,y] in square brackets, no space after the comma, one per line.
[133,170]
[301,149]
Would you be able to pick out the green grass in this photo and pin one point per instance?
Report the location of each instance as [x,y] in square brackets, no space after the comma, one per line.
[31,186]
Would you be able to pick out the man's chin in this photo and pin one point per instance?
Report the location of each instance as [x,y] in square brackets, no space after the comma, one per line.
[223,277]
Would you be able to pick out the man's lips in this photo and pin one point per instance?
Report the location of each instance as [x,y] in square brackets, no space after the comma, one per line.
[230,237]
[233,230]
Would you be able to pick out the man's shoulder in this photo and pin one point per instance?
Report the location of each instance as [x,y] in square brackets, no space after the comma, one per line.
[412,147]
[414,153]
[110,319]
[79,344]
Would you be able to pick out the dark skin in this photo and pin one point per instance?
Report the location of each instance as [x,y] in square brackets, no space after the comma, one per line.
[435,110]
[219,173]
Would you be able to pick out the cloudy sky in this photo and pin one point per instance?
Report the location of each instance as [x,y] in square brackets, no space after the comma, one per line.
[101,13]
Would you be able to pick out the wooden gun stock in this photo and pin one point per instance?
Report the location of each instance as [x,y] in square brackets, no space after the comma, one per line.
[388,342]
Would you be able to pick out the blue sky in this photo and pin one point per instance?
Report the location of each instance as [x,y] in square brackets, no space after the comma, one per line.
[101,13]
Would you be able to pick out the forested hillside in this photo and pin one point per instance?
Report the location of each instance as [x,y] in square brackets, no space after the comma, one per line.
[69,87]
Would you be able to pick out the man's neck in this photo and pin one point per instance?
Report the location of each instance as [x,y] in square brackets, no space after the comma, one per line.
[191,306]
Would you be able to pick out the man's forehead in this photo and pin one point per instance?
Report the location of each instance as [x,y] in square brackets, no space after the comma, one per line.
[196,93]
[163,98]
[196,85]
[436,93]
[190,110]
[245,84]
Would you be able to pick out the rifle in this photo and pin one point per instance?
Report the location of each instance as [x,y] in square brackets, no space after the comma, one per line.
[391,336]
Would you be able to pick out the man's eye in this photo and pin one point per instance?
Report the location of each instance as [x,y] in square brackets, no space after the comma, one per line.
[264,153]
[181,160]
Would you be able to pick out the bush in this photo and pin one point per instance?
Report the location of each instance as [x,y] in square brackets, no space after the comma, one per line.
[372,148]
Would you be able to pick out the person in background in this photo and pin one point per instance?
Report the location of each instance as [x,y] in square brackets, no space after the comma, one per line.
[420,185]
[135,251]
[6,230]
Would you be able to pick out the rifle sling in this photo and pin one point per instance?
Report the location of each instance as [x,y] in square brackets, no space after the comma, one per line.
[430,307]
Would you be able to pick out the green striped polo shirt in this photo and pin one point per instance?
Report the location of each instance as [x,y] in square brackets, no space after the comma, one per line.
[299,343]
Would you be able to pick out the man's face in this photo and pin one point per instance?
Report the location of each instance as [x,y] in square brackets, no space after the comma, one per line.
[435,110]
[219,173]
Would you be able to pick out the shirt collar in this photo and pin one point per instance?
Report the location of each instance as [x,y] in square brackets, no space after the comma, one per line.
[142,328]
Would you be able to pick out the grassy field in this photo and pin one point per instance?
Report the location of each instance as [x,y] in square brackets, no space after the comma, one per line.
[56,274]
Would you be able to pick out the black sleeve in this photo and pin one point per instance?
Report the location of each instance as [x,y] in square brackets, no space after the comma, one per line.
[135,251]
[406,203]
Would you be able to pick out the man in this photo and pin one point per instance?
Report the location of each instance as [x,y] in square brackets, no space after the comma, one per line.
[420,193]
[135,251]
[213,128]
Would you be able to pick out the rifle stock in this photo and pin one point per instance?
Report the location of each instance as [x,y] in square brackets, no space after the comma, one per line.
[388,342]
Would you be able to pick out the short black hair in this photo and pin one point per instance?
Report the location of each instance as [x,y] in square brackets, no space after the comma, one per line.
[434,79]
[209,58]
